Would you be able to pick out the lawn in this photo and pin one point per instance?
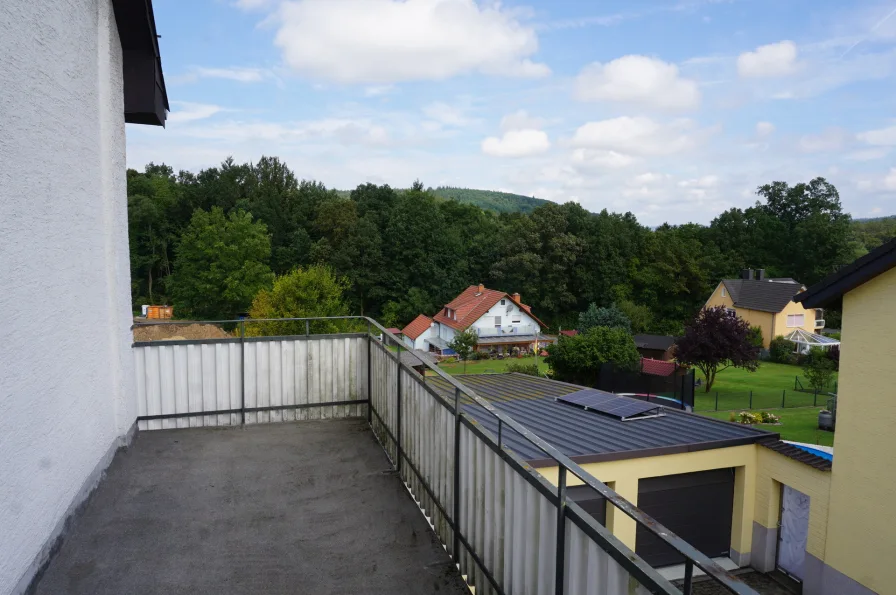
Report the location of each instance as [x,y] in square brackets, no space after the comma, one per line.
[491,366]
[799,425]
[770,385]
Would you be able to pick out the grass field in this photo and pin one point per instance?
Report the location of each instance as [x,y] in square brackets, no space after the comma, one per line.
[491,366]
[800,425]
[769,384]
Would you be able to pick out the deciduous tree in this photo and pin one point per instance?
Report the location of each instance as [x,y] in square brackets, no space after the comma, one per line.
[714,341]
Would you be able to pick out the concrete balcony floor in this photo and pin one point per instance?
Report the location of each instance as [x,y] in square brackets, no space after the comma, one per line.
[305,507]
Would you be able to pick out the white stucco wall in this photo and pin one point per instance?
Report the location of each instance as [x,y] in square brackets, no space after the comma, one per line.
[66,372]
[508,313]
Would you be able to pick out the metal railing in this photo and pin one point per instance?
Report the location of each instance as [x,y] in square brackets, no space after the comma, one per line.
[507,528]
[507,330]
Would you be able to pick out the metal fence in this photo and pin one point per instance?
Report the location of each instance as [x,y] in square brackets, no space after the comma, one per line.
[507,528]
[758,399]
[675,390]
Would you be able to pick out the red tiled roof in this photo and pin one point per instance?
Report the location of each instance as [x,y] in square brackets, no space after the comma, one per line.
[416,327]
[393,330]
[571,333]
[471,304]
[657,367]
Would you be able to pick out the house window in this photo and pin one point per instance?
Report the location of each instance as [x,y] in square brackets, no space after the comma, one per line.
[497,322]
[731,312]
[503,302]
[724,292]
[796,320]
[515,321]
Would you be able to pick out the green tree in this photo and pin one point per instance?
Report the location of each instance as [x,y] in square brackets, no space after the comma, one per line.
[463,344]
[715,341]
[755,336]
[221,265]
[309,292]
[611,317]
[819,369]
[578,359]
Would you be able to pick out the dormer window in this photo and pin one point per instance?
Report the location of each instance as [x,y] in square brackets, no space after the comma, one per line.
[503,302]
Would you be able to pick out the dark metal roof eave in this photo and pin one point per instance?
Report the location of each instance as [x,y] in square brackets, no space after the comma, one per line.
[832,288]
[653,452]
[145,92]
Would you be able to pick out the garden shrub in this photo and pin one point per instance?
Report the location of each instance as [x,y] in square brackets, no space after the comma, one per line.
[520,368]
[781,351]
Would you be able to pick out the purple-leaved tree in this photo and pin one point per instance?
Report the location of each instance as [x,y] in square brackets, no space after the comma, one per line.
[716,340]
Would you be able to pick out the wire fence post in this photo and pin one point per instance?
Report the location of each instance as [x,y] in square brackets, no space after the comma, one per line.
[815,398]
[717,400]
[751,399]
[783,396]
[561,531]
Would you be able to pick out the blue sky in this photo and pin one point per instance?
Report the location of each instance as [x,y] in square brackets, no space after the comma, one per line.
[673,111]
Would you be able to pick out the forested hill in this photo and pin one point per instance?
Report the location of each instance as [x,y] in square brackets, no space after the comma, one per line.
[210,242]
[492,200]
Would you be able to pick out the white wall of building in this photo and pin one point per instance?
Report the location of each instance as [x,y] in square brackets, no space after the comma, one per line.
[66,371]
[511,317]
[422,342]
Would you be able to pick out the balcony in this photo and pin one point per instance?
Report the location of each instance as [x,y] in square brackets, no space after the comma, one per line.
[508,330]
[223,499]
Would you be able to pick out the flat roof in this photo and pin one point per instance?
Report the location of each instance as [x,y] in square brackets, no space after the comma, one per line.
[302,507]
[586,436]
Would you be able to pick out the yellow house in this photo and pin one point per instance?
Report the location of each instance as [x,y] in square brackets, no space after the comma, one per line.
[766,303]
[856,556]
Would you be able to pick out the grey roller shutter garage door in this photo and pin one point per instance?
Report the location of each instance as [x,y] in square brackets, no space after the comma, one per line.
[696,506]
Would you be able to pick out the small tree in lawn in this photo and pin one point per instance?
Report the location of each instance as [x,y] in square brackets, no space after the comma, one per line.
[819,369]
[463,344]
[716,340]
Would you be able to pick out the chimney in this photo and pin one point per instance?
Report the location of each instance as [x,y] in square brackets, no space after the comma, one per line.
[516,298]
[481,288]
[760,274]
[746,274]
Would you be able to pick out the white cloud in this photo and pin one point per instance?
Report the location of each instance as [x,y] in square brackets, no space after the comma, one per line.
[520,120]
[601,159]
[868,154]
[185,111]
[386,41]
[885,137]
[378,90]
[890,180]
[831,139]
[242,75]
[517,143]
[772,60]
[709,181]
[637,136]
[636,79]
[447,115]
[253,4]
[764,129]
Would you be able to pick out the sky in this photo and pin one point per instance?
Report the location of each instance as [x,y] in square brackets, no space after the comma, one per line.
[674,110]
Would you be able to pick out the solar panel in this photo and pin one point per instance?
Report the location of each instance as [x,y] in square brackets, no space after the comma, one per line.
[623,408]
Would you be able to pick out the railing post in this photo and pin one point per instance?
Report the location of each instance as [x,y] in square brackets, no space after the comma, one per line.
[369,382]
[561,531]
[688,577]
[242,372]
[307,328]
[398,412]
[456,518]
[500,430]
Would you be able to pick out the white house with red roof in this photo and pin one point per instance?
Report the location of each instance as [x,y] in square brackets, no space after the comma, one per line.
[500,319]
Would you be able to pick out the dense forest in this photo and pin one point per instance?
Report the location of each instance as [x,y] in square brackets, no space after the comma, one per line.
[403,252]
